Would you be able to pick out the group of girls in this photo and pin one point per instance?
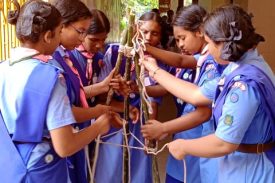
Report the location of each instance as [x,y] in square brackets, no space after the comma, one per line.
[49,85]
[241,132]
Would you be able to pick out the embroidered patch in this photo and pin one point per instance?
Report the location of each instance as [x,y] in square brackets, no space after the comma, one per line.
[221,81]
[228,120]
[185,76]
[210,66]
[239,85]
[234,97]
[210,75]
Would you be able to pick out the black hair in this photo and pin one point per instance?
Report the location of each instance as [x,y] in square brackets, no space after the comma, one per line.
[157,18]
[155,10]
[34,18]
[190,18]
[99,23]
[170,13]
[151,16]
[71,10]
[232,26]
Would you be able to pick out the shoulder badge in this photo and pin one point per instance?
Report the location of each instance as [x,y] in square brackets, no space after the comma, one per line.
[234,97]
[240,85]
[228,120]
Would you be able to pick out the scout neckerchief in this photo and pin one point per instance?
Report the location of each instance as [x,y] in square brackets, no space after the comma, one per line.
[89,67]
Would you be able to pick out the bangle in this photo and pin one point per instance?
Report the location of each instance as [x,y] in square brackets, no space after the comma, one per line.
[155,71]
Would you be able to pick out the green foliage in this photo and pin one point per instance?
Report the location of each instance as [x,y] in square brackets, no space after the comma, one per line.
[138,7]
[116,12]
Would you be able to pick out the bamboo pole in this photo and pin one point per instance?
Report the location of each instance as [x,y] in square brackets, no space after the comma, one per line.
[126,152]
[152,143]
[117,66]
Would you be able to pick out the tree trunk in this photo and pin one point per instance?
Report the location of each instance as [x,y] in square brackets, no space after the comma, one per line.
[180,4]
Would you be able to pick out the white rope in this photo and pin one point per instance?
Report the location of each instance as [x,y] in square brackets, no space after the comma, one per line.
[126,50]
[86,150]
[95,158]
[111,134]
[144,148]
[139,47]
[147,150]
[185,171]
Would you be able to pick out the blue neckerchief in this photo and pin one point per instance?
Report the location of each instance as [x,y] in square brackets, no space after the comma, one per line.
[72,81]
[77,173]
[258,79]
[254,77]
[97,57]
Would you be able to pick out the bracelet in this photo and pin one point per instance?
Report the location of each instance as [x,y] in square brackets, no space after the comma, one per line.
[155,71]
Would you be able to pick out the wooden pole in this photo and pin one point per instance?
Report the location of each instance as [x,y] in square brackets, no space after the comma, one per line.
[180,4]
[152,143]
[127,75]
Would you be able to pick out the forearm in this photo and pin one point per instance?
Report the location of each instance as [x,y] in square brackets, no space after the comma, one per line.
[74,141]
[171,58]
[154,115]
[117,106]
[156,91]
[95,89]
[84,114]
[187,121]
[187,91]
[209,146]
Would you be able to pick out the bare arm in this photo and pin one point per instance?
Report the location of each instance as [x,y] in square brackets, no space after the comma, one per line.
[84,114]
[95,89]
[187,91]
[171,58]
[103,86]
[208,146]
[188,121]
[157,130]
[156,91]
[66,142]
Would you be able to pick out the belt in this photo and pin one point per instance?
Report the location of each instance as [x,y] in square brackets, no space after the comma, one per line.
[255,148]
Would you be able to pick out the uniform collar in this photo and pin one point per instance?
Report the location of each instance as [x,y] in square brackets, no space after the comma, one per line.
[204,50]
[84,52]
[20,53]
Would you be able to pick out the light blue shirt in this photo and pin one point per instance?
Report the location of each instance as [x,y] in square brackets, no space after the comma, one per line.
[243,121]
[59,111]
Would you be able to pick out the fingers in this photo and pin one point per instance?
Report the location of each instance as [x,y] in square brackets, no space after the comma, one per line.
[116,121]
[134,115]
[176,149]
[147,132]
